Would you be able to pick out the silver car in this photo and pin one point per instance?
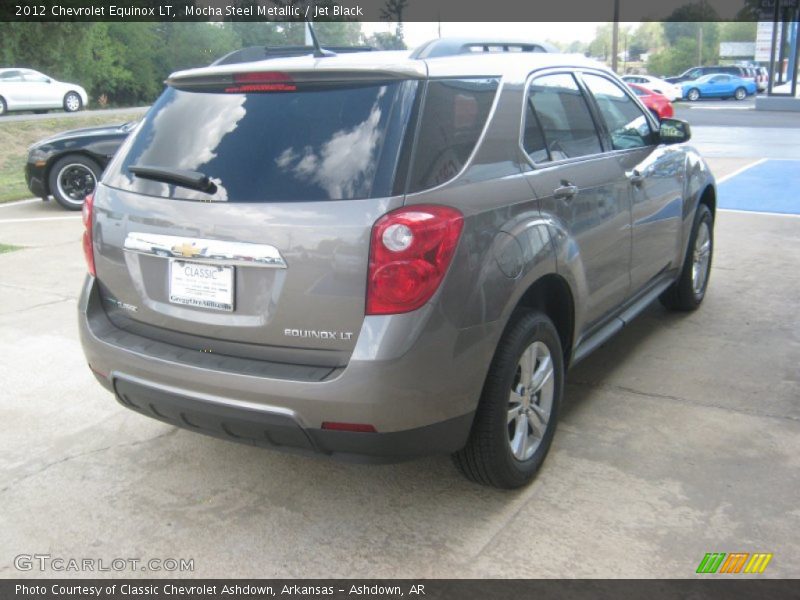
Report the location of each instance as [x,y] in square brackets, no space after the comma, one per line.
[386,254]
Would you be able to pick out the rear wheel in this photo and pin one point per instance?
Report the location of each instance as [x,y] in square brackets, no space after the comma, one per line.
[3,106]
[71,179]
[693,95]
[689,290]
[740,93]
[72,102]
[518,410]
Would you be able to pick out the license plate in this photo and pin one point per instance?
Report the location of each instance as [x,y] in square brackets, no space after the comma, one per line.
[201,285]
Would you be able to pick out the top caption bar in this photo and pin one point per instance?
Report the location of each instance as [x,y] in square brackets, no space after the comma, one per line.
[398,10]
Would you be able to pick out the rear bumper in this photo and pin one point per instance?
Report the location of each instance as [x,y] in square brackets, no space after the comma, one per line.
[281,430]
[420,402]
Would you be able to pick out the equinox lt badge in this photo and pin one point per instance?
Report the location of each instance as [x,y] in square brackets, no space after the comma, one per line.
[319,335]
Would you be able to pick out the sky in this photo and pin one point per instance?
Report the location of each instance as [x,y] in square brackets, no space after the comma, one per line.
[417,33]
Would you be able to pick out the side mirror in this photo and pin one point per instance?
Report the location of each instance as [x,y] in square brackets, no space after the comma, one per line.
[674,131]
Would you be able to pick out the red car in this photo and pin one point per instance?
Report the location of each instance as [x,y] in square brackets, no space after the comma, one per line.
[659,105]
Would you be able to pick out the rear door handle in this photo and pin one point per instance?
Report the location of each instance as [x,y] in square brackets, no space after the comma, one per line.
[565,192]
[635,177]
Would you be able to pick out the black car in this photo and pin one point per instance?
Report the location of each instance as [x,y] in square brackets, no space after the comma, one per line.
[695,72]
[68,165]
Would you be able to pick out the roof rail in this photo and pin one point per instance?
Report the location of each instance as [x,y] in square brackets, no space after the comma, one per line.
[456,46]
[255,53]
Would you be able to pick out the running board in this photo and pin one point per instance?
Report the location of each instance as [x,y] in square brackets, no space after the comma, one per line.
[602,335]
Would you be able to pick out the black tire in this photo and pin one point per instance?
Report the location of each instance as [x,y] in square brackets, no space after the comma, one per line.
[3,106]
[740,93]
[72,102]
[683,295]
[693,95]
[488,458]
[75,172]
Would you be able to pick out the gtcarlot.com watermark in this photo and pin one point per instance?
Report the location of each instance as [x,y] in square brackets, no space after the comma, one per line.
[59,564]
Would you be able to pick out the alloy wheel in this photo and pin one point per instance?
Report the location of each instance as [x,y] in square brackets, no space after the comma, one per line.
[701,258]
[530,401]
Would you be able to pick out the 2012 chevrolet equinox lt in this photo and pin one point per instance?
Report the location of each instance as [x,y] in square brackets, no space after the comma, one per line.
[386,254]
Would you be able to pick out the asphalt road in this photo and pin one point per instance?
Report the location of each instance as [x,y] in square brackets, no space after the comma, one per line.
[731,129]
[724,113]
[29,116]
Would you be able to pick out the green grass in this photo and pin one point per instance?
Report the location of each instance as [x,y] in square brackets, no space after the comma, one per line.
[16,136]
[8,248]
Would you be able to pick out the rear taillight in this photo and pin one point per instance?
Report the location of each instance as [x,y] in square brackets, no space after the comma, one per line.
[88,250]
[410,251]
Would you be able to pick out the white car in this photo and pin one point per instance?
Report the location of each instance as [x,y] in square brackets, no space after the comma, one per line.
[26,89]
[670,90]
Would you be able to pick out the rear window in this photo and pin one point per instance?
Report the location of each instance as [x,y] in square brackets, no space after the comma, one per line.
[454,115]
[318,142]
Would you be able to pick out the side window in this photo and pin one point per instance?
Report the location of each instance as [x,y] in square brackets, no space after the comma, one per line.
[11,76]
[33,76]
[695,73]
[558,124]
[624,119]
[453,118]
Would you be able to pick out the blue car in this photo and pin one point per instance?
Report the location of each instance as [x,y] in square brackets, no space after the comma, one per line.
[719,85]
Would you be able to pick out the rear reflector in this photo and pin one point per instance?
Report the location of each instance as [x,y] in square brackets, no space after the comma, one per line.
[357,427]
[88,248]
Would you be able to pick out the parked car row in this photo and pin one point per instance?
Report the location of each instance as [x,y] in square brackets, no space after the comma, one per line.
[724,81]
[26,89]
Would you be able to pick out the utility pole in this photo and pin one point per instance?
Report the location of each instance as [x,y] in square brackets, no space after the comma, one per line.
[615,37]
[699,44]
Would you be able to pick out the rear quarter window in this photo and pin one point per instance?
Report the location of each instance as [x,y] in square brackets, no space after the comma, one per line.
[453,116]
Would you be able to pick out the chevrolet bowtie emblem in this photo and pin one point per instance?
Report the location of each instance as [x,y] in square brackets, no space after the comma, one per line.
[187,250]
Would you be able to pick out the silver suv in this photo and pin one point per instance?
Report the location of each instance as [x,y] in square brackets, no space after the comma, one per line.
[381,255]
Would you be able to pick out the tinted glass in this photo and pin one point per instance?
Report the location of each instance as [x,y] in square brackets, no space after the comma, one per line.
[11,76]
[625,121]
[557,107]
[315,143]
[453,117]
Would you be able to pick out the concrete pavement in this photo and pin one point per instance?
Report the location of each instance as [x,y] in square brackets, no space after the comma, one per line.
[680,436]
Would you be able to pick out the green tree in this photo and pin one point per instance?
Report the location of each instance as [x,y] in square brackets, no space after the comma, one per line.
[673,60]
[737,31]
[384,40]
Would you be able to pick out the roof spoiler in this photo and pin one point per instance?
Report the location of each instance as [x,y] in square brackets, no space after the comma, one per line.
[456,46]
[256,53]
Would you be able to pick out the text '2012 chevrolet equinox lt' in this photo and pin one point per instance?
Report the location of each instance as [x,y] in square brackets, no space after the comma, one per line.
[379,255]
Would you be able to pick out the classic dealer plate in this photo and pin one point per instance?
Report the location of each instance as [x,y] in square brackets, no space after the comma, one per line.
[202,285]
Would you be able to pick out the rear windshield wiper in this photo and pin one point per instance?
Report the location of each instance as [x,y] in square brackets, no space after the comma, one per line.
[188,179]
